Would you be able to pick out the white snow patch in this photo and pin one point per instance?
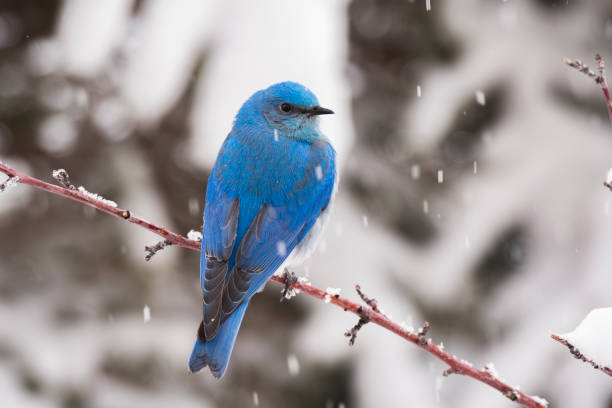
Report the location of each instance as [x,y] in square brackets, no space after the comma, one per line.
[333,291]
[418,91]
[194,235]
[490,368]
[440,176]
[593,336]
[97,197]
[539,400]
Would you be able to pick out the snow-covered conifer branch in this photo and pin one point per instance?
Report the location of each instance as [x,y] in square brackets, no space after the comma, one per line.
[369,313]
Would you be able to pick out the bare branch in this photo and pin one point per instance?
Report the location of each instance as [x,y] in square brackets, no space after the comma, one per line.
[370,313]
[577,354]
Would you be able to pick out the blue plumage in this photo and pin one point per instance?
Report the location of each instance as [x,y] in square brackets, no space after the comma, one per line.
[273,179]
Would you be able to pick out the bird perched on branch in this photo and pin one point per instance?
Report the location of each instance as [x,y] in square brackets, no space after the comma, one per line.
[268,198]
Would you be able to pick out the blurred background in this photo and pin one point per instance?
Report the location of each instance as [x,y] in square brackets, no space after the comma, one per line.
[471,195]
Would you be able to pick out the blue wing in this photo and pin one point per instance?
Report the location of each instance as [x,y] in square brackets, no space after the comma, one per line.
[251,226]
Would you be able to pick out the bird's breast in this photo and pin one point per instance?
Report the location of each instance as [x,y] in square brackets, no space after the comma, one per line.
[279,171]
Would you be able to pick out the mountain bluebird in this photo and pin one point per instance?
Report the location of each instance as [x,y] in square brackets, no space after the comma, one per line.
[267,200]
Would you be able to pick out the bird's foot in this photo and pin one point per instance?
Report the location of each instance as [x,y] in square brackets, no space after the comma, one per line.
[290,279]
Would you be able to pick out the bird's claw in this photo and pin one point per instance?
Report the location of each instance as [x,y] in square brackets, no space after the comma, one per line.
[290,279]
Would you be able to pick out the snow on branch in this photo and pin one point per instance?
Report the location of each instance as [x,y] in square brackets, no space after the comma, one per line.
[367,312]
[591,340]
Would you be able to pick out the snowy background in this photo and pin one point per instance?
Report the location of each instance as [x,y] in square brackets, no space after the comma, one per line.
[471,196]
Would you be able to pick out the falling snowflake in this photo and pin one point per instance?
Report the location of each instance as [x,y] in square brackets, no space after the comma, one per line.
[293,365]
[146,313]
[480,98]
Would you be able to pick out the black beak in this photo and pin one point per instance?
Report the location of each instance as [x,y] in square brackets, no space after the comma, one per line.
[317,110]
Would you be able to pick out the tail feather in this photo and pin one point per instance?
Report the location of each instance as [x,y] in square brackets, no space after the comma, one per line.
[216,353]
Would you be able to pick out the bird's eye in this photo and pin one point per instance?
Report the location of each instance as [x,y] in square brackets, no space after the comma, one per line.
[286,107]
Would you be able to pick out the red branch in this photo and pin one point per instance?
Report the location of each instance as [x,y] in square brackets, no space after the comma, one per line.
[369,312]
[76,195]
[577,354]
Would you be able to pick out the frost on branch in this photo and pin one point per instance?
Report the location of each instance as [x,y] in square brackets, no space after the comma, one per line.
[97,197]
[591,341]
[62,176]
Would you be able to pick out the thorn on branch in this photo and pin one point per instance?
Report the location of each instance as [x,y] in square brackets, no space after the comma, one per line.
[450,371]
[423,333]
[10,182]
[369,301]
[152,250]
[63,178]
[511,395]
[290,279]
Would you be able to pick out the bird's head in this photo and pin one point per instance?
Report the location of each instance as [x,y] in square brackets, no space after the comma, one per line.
[290,108]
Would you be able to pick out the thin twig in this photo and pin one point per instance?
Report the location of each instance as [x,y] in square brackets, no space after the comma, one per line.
[369,301]
[599,77]
[577,354]
[374,316]
[153,249]
[363,320]
[8,183]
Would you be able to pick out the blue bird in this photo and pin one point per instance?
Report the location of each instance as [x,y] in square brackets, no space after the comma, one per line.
[267,200]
